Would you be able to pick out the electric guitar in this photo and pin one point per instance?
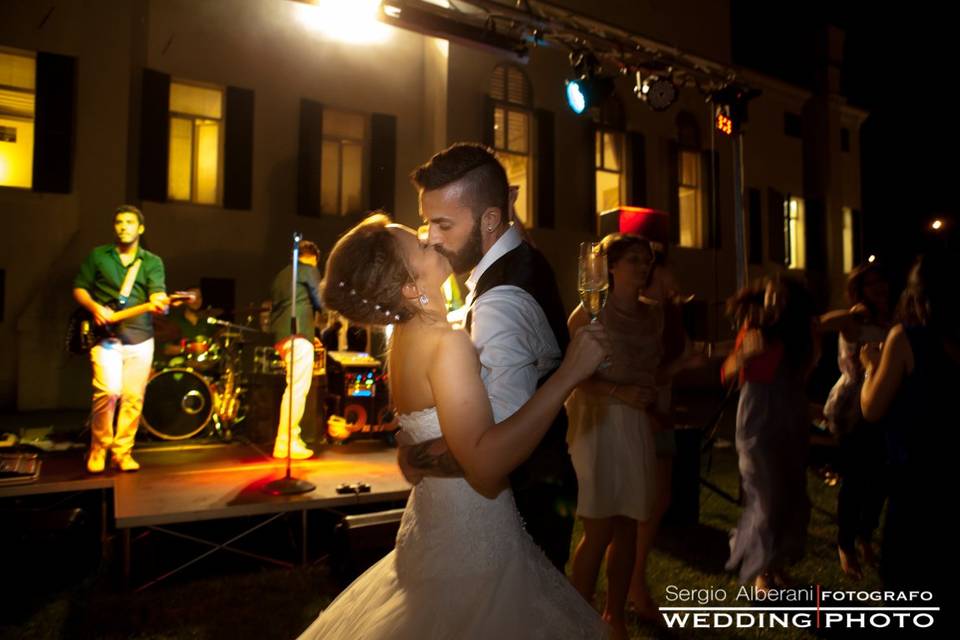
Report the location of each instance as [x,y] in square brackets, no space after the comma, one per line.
[83,332]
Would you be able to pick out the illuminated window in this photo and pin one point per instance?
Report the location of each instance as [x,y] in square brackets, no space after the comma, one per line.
[794,233]
[609,164]
[692,223]
[341,167]
[17,98]
[196,142]
[848,240]
[510,92]
[691,184]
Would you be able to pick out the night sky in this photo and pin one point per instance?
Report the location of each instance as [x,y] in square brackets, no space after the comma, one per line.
[901,68]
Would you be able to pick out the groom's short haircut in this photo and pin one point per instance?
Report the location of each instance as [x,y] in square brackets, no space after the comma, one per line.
[475,164]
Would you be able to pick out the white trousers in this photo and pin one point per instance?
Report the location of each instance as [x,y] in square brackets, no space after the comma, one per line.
[120,373]
[299,384]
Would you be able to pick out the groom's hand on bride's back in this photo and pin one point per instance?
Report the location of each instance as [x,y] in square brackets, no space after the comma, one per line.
[589,347]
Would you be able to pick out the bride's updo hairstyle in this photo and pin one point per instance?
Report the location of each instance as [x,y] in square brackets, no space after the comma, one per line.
[365,274]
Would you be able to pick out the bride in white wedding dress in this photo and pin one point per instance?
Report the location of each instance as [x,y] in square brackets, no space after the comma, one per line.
[463,566]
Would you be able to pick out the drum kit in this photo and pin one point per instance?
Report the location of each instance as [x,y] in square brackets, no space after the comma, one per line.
[201,386]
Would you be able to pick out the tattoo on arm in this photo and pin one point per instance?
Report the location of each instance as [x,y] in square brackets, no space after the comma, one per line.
[433,458]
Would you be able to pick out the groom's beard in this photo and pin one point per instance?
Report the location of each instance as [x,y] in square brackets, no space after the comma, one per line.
[464,260]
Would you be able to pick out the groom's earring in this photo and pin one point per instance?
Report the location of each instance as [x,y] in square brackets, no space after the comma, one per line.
[423,299]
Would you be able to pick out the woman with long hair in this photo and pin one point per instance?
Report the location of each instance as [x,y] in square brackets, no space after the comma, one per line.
[912,382]
[773,354]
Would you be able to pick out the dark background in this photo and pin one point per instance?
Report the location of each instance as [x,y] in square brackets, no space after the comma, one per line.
[900,62]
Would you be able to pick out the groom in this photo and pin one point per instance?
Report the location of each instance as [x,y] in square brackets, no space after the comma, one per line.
[517,322]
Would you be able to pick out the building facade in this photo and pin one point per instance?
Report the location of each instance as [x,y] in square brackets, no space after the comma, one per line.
[234,123]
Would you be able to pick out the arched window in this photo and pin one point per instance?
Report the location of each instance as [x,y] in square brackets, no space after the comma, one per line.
[512,101]
[692,194]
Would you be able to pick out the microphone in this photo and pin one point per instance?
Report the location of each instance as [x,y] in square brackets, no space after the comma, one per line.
[297,236]
[231,325]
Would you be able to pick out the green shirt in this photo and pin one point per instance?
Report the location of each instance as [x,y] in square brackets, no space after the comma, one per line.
[307,301]
[102,274]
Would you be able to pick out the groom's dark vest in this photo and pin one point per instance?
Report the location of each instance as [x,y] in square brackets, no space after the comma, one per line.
[526,268]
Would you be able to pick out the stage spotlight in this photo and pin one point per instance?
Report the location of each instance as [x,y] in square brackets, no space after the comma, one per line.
[584,93]
[576,97]
[936,225]
[589,88]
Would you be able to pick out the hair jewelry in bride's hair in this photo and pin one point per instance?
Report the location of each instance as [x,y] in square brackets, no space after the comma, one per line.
[365,273]
[376,307]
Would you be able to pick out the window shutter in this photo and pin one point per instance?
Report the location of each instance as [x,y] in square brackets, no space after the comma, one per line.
[154,135]
[545,167]
[383,161]
[53,124]
[776,247]
[309,156]
[638,169]
[238,149]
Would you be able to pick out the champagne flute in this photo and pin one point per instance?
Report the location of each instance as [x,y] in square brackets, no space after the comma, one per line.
[592,279]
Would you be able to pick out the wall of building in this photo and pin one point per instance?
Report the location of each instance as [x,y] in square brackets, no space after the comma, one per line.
[438,93]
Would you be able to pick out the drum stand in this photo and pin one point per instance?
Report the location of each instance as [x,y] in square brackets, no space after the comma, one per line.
[288,485]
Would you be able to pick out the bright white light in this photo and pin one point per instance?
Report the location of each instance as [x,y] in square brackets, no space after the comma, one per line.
[872,258]
[936,225]
[351,21]
[392,10]
[575,97]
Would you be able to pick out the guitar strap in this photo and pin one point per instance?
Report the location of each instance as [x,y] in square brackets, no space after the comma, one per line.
[128,281]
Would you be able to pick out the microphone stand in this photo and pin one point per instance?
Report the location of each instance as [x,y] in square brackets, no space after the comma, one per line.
[288,485]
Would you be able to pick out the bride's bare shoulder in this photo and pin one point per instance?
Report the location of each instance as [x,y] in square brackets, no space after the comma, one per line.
[453,346]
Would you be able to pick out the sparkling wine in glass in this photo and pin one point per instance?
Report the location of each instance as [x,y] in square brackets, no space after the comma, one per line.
[592,280]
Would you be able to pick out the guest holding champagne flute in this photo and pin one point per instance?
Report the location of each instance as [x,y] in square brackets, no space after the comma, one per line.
[611,422]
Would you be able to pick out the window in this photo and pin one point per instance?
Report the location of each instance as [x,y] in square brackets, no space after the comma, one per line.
[17,99]
[609,163]
[690,185]
[848,240]
[691,199]
[341,167]
[196,143]
[794,232]
[510,92]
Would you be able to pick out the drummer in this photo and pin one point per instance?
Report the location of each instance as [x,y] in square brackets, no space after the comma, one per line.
[187,328]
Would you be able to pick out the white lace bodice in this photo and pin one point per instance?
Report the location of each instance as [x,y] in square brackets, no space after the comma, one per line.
[419,426]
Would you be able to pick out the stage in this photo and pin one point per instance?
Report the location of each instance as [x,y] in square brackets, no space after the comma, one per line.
[197,482]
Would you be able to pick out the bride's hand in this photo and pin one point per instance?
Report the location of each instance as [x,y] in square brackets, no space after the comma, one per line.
[588,348]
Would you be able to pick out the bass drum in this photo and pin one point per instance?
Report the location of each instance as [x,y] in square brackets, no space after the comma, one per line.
[178,404]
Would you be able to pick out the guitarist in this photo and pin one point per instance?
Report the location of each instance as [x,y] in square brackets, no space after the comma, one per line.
[114,276]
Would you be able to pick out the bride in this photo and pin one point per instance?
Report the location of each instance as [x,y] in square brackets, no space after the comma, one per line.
[463,566]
